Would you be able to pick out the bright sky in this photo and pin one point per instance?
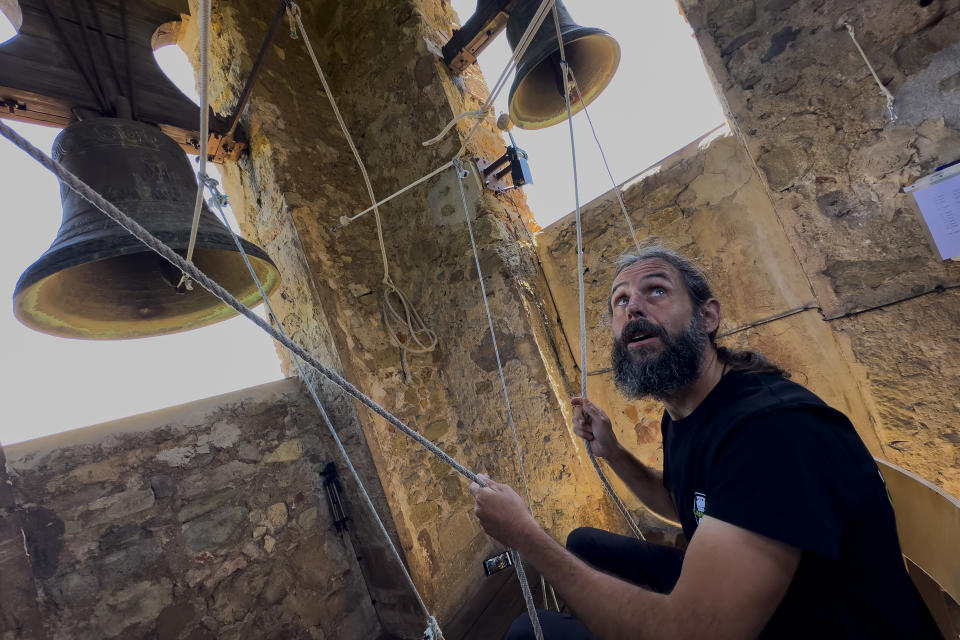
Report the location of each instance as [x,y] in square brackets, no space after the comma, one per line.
[660,100]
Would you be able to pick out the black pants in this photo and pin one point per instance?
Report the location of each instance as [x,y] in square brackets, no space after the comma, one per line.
[642,563]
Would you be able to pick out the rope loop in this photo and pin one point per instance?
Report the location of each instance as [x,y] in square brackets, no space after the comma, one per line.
[420,338]
[403,319]
[477,113]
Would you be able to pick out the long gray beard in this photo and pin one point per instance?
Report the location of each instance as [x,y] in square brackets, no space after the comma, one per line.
[639,375]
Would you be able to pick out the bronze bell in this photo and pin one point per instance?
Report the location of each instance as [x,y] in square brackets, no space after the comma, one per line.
[97,281]
[537,96]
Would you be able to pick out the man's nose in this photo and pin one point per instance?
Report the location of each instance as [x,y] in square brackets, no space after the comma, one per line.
[636,307]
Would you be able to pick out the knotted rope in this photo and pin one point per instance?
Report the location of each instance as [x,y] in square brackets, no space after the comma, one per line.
[891,114]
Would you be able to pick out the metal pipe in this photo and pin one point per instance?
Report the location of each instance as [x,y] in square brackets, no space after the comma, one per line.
[257,63]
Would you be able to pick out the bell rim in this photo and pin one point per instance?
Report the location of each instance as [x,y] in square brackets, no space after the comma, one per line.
[56,325]
[45,266]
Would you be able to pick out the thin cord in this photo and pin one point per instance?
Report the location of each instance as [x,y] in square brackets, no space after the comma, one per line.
[461,173]
[218,200]
[886,92]
[204,27]
[583,314]
[603,156]
[419,337]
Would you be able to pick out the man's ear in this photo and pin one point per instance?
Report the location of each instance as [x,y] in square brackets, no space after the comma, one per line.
[710,311]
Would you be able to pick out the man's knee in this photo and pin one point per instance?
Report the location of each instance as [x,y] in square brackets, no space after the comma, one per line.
[521,629]
[582,542]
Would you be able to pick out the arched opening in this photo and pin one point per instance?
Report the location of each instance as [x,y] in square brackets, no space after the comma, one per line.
[173,60]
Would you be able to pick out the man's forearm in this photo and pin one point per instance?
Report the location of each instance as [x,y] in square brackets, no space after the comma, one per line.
[644,482]
[608,606]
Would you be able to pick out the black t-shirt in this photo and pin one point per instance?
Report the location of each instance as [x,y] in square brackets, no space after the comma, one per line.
[763,453]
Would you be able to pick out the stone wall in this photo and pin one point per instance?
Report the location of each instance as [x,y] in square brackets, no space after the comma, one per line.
[707,201]
[381,59]
[815,123]
[201,521]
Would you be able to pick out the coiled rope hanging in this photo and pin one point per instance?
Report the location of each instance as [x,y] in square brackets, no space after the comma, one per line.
[405,325]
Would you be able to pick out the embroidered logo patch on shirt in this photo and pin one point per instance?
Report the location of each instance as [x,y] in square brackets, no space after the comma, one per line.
[699,506]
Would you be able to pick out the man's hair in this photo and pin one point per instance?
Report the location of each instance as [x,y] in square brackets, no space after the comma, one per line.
[698,288]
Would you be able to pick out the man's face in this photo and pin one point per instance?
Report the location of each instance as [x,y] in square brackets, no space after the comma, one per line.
[658,338]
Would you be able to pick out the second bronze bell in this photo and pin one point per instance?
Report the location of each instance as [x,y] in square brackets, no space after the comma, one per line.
[537,95]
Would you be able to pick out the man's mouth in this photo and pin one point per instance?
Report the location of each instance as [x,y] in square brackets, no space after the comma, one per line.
[640,337]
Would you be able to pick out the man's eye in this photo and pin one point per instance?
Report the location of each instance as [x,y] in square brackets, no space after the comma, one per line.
[621,301]
[659,291]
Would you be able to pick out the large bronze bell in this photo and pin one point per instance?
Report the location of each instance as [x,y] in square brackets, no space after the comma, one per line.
[97,281]
[537,95]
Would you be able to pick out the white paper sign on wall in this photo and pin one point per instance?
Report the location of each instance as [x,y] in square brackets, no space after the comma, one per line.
[938,197]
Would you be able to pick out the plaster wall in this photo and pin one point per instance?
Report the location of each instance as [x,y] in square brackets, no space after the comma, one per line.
[814,122]
[206,520]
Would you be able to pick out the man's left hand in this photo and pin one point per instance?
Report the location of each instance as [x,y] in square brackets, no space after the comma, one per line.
[502,513]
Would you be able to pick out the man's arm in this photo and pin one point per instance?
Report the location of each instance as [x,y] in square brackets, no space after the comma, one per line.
[731,582]
[590,422]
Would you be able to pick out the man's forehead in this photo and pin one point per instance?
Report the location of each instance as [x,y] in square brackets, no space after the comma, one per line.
[644,269]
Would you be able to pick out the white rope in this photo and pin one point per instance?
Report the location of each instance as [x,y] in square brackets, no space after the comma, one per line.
[521,573]
[204,26]
[479,113]
[538,17]
[583,314]
[344,220]
[406,327]
[603,156]
[218,200]
[886,92]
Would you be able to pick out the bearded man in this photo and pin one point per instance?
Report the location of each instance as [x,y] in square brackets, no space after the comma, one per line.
[790,530]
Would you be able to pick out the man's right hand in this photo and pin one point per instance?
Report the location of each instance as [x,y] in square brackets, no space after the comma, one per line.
[591,423]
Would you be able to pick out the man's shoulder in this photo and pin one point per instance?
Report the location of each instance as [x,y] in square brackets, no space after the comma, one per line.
[756,394]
